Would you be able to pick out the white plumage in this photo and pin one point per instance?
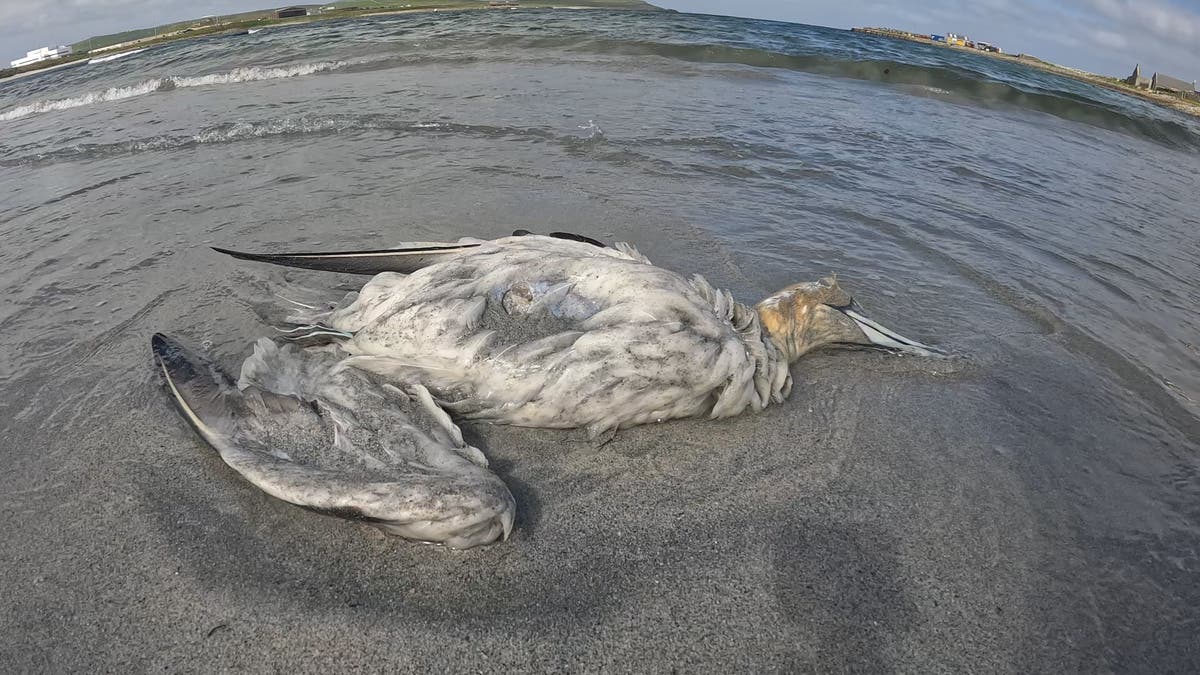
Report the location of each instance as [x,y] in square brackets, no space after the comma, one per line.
[525,330]
[545,332]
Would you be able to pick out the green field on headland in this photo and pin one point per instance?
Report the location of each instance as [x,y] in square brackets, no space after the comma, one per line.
[102,45]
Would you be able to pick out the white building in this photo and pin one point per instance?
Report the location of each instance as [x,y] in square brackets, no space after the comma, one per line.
[42,54]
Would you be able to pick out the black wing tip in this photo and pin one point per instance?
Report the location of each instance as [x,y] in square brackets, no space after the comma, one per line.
[435,248]
[186,367]
[240,255]
[571,236]
[177,361]
[164,345]
[578,237]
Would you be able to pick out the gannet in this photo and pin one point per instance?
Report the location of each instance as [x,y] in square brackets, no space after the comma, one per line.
[561,331]
[356,418]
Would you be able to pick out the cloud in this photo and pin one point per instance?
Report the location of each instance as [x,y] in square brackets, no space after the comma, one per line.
[26,24]
[1158,35]
[29,15]
[1104,36]
[1162,21]
[1109,39]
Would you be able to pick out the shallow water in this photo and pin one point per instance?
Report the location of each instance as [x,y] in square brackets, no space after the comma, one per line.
[1033,503]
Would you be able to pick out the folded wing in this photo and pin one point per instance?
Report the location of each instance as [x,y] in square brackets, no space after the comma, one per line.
[331,439]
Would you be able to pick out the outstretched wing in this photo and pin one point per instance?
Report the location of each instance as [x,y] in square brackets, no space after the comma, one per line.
[403,260]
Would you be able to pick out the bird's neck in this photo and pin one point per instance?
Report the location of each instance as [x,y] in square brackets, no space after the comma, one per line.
[772,380]
[779,325]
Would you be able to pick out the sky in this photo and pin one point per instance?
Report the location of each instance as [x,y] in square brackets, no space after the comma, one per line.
[1103,36]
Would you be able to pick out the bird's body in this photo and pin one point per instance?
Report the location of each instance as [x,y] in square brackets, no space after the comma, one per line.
[556,331]
[545,332]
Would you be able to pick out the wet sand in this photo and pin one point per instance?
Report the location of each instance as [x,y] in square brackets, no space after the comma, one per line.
[1030,506]
[881,519]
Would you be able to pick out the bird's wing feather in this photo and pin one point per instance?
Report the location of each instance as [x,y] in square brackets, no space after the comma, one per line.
[406,259]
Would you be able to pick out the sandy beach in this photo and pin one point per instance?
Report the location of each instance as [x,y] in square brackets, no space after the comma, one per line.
[829,533]
[1027,505]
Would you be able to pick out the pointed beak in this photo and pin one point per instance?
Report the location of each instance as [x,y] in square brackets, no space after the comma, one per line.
[886,338]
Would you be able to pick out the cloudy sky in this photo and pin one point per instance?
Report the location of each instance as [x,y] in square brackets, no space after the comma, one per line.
[1105,36]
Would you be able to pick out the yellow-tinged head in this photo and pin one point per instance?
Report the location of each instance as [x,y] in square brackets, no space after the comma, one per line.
[807,316]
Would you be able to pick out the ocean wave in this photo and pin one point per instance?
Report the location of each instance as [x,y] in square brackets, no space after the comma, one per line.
[232,132]
[587,138]
[986,86]
[997,84]
[1037,91]
[237,75]
[258,73]
[90,98]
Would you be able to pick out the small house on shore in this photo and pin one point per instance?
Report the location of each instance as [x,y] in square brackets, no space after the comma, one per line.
[1159,82]
[1162,82]
[289,12]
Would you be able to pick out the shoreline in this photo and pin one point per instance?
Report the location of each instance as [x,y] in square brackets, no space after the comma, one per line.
[1029,503]
[238,27]
[1172,102]
[1111,83]
[81,61]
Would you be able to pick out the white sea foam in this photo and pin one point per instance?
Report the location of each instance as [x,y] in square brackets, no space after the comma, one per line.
[291,125]
[105,96]
[224,133]
[257,73]
[593,130]
[247,74]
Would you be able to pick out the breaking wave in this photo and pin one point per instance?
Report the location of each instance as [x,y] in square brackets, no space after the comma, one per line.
[989,85]
[233,132]
[1040,92]
[105,96]
[257,73]
[247,74]
[588,138]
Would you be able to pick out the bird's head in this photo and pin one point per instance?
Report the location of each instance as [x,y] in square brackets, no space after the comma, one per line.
[807,316]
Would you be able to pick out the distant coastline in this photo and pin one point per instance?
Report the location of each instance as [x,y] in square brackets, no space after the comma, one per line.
[259,19]
[1179,103]
[240,23]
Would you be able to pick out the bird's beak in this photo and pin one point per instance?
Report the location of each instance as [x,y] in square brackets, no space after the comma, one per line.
[886,338]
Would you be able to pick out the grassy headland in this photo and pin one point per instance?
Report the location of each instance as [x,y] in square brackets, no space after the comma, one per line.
[102,45]
[1180,102]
